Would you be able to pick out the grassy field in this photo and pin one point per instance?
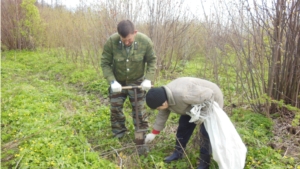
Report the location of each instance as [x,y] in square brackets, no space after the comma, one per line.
[55,114]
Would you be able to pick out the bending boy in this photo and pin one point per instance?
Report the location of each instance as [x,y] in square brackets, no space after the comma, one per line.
[178,97]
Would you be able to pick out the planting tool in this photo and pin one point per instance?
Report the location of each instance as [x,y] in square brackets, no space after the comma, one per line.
[139,134]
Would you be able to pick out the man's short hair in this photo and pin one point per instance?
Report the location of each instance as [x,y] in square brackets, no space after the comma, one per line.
[125,28]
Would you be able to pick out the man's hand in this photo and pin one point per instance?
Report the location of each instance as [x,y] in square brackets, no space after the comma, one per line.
[115,87]
[146,84]
[149,138]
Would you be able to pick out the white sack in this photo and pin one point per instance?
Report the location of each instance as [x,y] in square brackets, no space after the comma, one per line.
[228,148]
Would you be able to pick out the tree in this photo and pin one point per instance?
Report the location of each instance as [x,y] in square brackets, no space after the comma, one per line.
[31,24]
[21,25]
[284,71]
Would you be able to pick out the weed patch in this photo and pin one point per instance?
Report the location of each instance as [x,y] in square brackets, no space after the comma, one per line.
[55,114]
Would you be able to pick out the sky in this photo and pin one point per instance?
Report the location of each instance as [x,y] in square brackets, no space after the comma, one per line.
[194,5]
[67,3]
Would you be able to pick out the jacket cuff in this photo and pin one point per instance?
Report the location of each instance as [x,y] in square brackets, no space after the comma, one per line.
[155,131]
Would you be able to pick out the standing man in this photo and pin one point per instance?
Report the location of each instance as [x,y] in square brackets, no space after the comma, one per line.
[128,59]
[178,96]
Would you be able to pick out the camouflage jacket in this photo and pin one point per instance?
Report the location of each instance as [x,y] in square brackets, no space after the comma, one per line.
[125,67]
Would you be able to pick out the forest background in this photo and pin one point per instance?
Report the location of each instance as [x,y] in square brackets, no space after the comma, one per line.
[54,108]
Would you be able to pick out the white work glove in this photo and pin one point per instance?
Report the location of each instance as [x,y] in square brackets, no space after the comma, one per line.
[149,138]
[146,84]
[115,87]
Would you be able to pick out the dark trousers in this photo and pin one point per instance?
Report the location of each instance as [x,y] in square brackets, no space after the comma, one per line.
[185,131]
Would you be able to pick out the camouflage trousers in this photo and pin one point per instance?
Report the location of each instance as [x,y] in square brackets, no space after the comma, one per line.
[117,117]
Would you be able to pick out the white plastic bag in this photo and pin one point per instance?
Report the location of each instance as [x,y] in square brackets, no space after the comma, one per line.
[227,146]
[197,114]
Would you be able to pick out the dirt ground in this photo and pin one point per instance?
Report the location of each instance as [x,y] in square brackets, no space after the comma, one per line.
[286,136]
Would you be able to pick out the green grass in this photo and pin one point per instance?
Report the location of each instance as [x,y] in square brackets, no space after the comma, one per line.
[55,114]
[256,132]
[47,121]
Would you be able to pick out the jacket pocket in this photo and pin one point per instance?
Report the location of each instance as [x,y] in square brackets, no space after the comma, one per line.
[119,67]
[119,59]
[137,58]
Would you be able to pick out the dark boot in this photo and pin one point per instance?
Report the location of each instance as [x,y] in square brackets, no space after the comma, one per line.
[177,154]
[119,135]
[204,161]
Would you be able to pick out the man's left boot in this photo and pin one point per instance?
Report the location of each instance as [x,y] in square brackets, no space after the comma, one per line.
[177,154]
[204,161]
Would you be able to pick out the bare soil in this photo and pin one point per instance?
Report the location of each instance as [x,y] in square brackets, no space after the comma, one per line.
[286,136]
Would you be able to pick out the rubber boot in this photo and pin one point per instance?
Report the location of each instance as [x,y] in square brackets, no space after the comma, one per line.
[177,154]
[204,161]
[119,135]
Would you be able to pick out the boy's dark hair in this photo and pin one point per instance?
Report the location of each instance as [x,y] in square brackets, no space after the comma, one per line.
[125,28]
